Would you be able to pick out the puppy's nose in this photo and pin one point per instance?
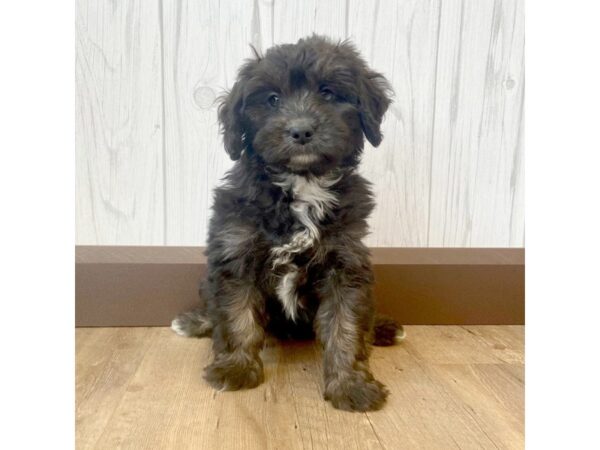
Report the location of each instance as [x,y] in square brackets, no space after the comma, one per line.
[302,132]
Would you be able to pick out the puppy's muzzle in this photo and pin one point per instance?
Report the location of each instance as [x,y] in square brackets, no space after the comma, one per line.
[301,131]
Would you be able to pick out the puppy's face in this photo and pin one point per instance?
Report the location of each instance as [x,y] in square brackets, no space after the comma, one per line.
[303,122]
[305,107]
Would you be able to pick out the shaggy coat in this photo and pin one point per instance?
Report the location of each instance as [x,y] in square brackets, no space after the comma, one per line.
[285,252]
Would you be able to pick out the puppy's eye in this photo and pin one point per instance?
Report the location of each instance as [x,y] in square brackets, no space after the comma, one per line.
[273,100]
[326,93]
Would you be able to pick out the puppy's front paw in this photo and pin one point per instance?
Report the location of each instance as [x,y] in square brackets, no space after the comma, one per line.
[355,392]
[232,374]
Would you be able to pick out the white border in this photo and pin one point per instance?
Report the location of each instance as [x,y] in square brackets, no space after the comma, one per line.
[563,226]
[37,225]
[562,149]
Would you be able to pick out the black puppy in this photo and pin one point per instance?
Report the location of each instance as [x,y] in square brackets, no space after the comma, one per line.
[284,247]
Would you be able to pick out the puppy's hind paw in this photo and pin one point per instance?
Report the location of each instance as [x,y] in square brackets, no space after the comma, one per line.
[192,323]
[178,326]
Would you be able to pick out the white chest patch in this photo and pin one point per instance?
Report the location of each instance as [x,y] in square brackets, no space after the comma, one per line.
[312,200]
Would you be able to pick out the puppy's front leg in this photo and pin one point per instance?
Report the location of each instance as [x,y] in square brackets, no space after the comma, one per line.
[344,325]
[238,337]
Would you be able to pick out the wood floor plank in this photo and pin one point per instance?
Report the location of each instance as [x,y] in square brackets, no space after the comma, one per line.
[451,387]
[421,413]
[166,405]
[491,396]
[320,425]
[507,342]
[107,358]
[486,344]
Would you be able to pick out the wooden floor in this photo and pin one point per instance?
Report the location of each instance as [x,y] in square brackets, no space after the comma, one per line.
[451,387]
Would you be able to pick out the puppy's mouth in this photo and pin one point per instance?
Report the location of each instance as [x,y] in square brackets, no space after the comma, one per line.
[302,159]
[314,156]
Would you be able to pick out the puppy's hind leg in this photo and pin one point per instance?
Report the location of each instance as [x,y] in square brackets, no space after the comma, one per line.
[194,323]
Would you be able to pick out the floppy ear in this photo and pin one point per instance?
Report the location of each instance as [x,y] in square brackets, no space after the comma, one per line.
[230,120]
[374,97]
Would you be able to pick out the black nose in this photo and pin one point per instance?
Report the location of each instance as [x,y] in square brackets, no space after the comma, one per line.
[301,134]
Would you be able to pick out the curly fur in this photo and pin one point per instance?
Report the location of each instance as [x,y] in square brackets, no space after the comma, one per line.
[285,251]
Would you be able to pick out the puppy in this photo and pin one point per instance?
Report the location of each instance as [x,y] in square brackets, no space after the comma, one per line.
[284,247]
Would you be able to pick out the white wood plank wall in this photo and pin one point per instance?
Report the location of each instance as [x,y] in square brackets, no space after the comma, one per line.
[448,174]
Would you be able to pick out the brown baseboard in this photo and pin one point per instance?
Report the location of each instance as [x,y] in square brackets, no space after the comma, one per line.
[148,286]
